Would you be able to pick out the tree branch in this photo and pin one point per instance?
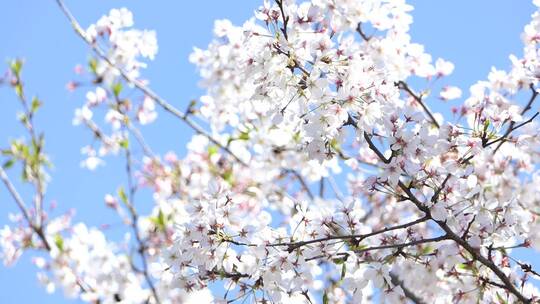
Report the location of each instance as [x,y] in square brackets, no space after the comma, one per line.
[145,89]
[134,220]
[361,32]
[456,238]
[512,127]
[408,293]
[404,86]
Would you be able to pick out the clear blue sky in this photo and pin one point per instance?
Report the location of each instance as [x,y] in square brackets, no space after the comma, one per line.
[475,35]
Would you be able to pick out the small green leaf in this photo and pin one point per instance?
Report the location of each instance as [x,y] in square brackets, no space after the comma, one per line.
[325,298]
[463,266]
[244,136]
[16,67]
[8,164]
[228,177]
[117,88]
[426,250]
[122,195]
[212,150]
[6,152]
[25,151]
[501,299]
[35,105]
[92,65]
[19,90]
[343,270]
[160,221]
[297,137]
[486,124]
[338,261]
[124,143]
[59,242]
[358,247]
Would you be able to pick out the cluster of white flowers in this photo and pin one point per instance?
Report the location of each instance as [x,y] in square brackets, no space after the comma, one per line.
[123,47]
[85,264]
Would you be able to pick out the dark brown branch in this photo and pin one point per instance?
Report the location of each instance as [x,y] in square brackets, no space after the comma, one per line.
[284,18]
[456,238]
[388,246]
[474,252]
[404,86]
[512,127]
[402,245]
[361,32]
[357,237]
[375,149]
[408,293]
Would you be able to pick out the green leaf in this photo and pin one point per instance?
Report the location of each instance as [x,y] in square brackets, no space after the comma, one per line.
[25,151]
[343,270]
[6,152]
[122,195]
[501,299]
[358,247]
[23,118]
[244,136]
[339,261]
[35,105]
[325,298]
[228,177]
[19,90]
[160,221]
[92,65]
[59,242]
[117,88]
[297,137]
[16,67]
[212,150]
[426,250]
[124,143]
[161,217]
[9,163]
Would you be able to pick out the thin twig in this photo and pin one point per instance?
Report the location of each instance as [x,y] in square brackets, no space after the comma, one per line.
[388,246]
[404,86]
[145,89]
[361,32]
[16,196]
[37,179]
[358,237]
[302,182]
[512,127]
[408,293]
[284,18]
[134,220]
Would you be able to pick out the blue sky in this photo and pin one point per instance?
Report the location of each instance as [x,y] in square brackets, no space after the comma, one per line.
[475,35]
